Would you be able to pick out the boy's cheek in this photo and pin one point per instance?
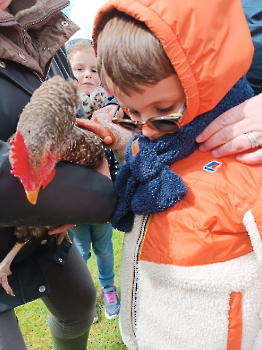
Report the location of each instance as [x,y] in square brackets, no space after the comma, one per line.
[151,133]
[157,136]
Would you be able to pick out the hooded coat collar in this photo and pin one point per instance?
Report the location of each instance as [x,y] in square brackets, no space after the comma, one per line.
[49,30]
[22,7]
[28,11]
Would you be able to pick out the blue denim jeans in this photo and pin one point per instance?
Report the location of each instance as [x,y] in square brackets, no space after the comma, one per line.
[101,238]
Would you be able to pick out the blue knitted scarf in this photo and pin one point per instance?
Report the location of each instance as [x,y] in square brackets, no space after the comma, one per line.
[146,184]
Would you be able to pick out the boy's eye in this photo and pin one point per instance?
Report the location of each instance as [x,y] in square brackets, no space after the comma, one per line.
[166,110]
[94,70]
[79,69]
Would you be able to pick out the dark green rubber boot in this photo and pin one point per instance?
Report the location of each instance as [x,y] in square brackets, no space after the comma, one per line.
[79,343]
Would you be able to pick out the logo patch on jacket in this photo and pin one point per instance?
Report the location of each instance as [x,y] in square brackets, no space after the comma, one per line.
[212,166]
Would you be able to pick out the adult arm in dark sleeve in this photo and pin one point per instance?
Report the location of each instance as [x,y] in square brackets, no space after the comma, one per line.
[253,13]
[76,195]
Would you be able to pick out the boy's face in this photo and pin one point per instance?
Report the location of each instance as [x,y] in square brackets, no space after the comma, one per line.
[164,98]
[84,69]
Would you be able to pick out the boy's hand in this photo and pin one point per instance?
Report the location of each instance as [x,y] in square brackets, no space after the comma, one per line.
[227,133]
[114,137]
[96,128]
[110,110]
[101,131]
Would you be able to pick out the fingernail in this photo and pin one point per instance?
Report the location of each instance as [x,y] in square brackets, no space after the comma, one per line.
[239,159]
[201,148]
[199,138]
[215,154]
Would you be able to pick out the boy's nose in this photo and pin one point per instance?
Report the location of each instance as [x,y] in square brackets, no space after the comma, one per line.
[147,131]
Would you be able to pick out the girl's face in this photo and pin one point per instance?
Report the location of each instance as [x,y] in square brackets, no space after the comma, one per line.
[84,69]
[4,4]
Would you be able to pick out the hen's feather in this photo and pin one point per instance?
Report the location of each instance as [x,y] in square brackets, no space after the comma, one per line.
[47,134]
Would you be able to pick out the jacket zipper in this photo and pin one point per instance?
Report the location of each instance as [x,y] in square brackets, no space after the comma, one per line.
[140,240]
[47,70]
[39,77]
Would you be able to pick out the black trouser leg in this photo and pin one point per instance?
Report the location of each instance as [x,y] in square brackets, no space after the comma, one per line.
[10,335]
[71,301]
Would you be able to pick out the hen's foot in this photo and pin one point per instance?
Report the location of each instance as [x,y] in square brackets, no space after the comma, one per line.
[5,267]
[4,272]
[61,236]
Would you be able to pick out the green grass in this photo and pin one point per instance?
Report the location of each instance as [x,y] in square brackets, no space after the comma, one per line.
[33,317]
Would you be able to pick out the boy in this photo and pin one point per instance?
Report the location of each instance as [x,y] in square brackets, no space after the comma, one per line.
[191,274]
[83,61]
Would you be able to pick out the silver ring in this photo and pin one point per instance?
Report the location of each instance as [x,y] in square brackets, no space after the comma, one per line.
[252,138]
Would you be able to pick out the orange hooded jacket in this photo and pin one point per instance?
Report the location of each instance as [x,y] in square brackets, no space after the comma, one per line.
[210,47]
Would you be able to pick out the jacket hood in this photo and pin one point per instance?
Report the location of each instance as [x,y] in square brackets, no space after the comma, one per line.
[26,7]
[208,43]
[33,9]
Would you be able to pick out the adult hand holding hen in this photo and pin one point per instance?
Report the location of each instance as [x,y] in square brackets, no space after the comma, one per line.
[230,132]
[60,229]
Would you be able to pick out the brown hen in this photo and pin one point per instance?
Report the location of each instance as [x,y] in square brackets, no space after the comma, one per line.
[46,133]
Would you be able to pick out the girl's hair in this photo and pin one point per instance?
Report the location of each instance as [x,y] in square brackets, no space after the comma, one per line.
[129,54]
[82,45]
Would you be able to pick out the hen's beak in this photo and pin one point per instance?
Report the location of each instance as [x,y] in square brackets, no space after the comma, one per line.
[32,196]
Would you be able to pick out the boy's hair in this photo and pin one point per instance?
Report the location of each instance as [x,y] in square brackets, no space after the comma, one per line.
[129,54]
[82,45]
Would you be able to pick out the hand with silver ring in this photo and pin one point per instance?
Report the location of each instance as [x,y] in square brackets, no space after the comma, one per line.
[252,138]
[238,130]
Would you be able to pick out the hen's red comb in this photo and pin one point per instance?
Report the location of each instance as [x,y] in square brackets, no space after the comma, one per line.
[21,164]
